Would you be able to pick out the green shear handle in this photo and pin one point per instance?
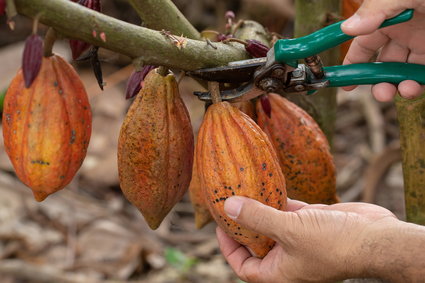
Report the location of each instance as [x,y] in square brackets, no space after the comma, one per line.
[288,51]
[373,73]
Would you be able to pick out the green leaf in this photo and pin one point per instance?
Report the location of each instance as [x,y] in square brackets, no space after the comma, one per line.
[179,260]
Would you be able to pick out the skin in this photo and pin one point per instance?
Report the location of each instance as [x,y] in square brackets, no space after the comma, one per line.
[400,43]
[325,243]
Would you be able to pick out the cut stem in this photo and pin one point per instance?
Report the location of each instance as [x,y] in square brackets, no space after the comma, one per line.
[214,88]
[49,41]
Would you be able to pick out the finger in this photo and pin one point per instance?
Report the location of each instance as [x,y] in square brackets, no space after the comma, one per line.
[242,262]
[384,92]
[365,47]
[393,52]
[370,16]
[410,89]
[349,88]
[293,205]
[256,216]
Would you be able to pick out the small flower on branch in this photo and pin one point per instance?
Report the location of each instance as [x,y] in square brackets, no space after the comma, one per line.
[179,41]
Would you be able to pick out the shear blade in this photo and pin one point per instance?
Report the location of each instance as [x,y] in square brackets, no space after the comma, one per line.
[242,93]
[234,72]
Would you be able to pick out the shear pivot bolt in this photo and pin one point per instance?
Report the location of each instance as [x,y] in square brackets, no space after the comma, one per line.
[299,88]
[297,73]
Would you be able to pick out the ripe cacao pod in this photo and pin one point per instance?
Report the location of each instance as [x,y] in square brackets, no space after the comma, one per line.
[247,107]
[349,7]
[198,199]
[303,151]
[235,157]
[155,149]
[47,127]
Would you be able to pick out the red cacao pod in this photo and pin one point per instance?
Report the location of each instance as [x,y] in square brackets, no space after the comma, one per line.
[155,149]
[303,151]
[235,157]
[47,127]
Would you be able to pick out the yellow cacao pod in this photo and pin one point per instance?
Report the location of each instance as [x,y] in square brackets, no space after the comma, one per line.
[155,149]
[303,151]
[235,158]
[47,127]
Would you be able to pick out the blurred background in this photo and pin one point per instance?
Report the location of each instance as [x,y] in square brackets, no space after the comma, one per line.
[88,232]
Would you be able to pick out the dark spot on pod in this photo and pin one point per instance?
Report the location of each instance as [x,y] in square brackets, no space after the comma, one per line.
[55,83]
[225,220]
[61,177]
[239,185]
[215,191]
[236,233]
[217,200]
[225,187]
[239,228]
[241,169]
[270,174]
[277,190]
[264,166]
[233,193]
[72,139]
[256,237]
[261,194]
[262,183]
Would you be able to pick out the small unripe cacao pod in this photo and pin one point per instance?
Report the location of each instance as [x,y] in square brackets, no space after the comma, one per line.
[302,148]
[235,158]
[47,127]
[155,149]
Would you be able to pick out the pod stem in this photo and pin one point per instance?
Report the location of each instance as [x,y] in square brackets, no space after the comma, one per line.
[214,88]
[49,41]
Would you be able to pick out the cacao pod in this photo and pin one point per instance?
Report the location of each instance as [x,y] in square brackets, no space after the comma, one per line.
[155,149]
[303,151]
[47,126]
[349,7]
[247,107]
[235,157]
[198,199]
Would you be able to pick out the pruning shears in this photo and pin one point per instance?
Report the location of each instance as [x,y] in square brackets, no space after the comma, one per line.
[281,72]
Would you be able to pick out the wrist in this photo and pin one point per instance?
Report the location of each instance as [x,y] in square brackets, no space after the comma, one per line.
[391,250]
[375,244]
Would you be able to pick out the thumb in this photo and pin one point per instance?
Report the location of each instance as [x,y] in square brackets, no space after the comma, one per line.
[258,217]
[370,16]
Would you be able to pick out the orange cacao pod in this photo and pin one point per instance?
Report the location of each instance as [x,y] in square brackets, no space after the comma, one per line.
[303,151]
[247,107]
[349,7]
[155,149]
[47,126]
[198,199]
[235,157]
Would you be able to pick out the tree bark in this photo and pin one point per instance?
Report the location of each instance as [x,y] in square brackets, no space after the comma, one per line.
[311,15]
[411,118]
[152,47]
[163,14]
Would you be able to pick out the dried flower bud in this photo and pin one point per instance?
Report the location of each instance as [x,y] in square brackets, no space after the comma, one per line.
[256,49]
[229,15]
[134,83]
[77,46]
[32,58]
[265,104]
[221,36]
[2,7]
[97,68]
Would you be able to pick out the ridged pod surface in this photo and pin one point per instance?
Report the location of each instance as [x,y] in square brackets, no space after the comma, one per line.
[303,151]
[235,158]
[198,199]
[47,127]
[155,149]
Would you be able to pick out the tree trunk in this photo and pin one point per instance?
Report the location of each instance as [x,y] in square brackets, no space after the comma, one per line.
[411,118]
[311,15]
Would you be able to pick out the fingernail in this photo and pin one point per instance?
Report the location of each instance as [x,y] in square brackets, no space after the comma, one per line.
[233,206]
[352,22]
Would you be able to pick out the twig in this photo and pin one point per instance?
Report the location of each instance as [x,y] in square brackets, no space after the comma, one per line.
[377,170]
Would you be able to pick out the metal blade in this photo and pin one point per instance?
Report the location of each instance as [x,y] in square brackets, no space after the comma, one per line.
[234,72]
[242,93]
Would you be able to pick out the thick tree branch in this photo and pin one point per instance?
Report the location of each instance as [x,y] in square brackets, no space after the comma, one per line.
[76,21]
[163,14]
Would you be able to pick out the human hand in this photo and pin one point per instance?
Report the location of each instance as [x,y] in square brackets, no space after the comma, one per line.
[400,43]
[314,243]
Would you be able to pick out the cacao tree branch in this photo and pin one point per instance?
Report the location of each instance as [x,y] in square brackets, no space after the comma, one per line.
[153,47]
[163,14]
[411,118]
